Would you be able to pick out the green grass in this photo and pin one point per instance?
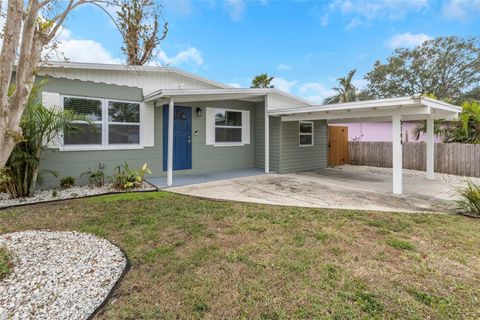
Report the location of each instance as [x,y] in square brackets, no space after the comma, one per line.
[194,258]
[5,263]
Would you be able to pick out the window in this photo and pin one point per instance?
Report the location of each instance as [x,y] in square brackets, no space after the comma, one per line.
[83,132]
[123,123]
[114,123]
[228,126]
[305,131]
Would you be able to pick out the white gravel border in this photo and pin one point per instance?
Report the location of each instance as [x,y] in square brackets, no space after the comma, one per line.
[58,275]
[70,193]
[442,177]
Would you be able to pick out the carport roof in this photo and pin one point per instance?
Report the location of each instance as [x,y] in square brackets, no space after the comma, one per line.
[410,108]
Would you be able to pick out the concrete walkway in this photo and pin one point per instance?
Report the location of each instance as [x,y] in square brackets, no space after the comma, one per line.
[347,187]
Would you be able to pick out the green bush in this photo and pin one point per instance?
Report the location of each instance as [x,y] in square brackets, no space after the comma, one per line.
[67,182]
[469,199]
[128,178]
[95,178]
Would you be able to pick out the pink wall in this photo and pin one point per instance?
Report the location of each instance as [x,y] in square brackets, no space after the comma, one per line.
[380,131]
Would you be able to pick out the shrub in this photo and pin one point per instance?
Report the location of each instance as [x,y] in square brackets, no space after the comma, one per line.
[67,182]
[469,199]
[5,263]
[95,178]
[128,178]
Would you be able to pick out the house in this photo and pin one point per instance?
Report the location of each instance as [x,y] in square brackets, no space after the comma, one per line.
[180,123]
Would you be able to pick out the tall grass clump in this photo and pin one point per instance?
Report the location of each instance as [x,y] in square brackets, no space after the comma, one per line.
[469,199]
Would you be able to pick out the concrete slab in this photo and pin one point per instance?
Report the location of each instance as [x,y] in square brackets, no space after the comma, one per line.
[346,187]
[191,179]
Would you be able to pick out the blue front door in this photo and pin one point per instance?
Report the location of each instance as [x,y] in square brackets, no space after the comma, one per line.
[182,138]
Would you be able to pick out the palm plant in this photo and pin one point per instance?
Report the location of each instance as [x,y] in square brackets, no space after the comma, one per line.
[40,126]
[262,81]
[468,202]
[468,128]
[346,91]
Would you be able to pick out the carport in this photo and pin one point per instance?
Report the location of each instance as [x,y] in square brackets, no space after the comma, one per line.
[395,110]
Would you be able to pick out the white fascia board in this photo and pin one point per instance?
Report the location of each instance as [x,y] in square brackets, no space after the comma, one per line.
[437,104]
[359,113]
[370,104]
[238,93]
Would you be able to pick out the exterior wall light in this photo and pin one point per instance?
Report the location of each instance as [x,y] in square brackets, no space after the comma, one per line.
[199,112]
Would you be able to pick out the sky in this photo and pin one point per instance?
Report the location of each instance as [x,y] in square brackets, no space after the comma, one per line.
[304,44]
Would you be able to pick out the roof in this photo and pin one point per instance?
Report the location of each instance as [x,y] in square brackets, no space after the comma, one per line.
[121,67]
[412,108]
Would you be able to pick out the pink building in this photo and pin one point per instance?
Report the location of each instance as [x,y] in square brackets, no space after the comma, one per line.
[381,131]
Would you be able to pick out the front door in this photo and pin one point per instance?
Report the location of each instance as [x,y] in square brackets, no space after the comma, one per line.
[338,145]
[182,138]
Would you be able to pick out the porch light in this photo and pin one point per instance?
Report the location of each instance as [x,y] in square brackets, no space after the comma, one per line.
[199,112]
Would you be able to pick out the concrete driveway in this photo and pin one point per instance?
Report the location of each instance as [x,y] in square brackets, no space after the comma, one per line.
[346,187]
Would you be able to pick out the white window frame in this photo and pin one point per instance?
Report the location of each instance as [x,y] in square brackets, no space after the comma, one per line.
[242,127]
[105,125]
[306,134]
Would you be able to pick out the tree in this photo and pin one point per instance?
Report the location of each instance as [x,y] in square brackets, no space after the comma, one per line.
[445,66]
[30,25]
[467,129]
[40,126]
[346,92]
[262,81]
[137,21]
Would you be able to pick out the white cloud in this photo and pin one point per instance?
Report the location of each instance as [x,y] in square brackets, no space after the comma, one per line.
[407,40]
[284,67]
[235,85]
[461,9]
[283,84]
[81,50]
[188,56]
[236,9]
[316,92]
[361,11]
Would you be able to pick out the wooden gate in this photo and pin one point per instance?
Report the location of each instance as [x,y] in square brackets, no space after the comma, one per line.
[337,145]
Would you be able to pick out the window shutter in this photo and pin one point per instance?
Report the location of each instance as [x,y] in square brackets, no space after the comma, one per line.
[210,126]
[147,124]
[246,127]
[51,101]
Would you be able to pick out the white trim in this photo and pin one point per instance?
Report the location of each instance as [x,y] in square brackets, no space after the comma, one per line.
[242,127]
[430,142]
[171,108]
[397,160]
[96,147]
[229,144]
[267,135]
[306,134]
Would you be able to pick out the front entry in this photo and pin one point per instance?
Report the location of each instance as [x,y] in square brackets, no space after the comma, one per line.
[337,145]
[182,138]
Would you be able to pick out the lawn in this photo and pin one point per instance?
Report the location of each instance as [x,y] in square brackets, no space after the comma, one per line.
[195,258]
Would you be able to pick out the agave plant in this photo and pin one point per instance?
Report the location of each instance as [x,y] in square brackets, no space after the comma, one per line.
[40,126]
[469,199]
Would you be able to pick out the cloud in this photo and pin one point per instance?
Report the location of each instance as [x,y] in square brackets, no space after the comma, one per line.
[461,9]
[81,50]
[190,55]
[235,85]
[407,40]
[315,92]
[235,9]
[283,84]
[360,11]
[284,67]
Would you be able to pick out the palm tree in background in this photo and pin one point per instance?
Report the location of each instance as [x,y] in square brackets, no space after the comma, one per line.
[346,91]
[262,80]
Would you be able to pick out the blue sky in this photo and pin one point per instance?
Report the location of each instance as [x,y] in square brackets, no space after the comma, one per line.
[305,44]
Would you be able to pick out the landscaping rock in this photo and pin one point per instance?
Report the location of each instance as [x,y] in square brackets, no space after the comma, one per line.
[58,275]
[70,193]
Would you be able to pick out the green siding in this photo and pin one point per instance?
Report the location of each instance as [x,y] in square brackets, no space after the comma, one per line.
[295,158]
[260,139]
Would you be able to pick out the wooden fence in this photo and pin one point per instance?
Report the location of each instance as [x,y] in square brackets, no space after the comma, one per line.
[453,158]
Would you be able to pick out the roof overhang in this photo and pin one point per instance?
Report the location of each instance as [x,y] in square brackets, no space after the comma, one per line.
[193,95]
[410,108]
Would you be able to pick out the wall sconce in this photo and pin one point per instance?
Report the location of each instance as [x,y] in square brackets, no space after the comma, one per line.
[199,112]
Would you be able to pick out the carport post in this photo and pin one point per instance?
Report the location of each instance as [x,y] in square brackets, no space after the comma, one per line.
[267,137]
[397,162]
[170,144]
[430,148]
